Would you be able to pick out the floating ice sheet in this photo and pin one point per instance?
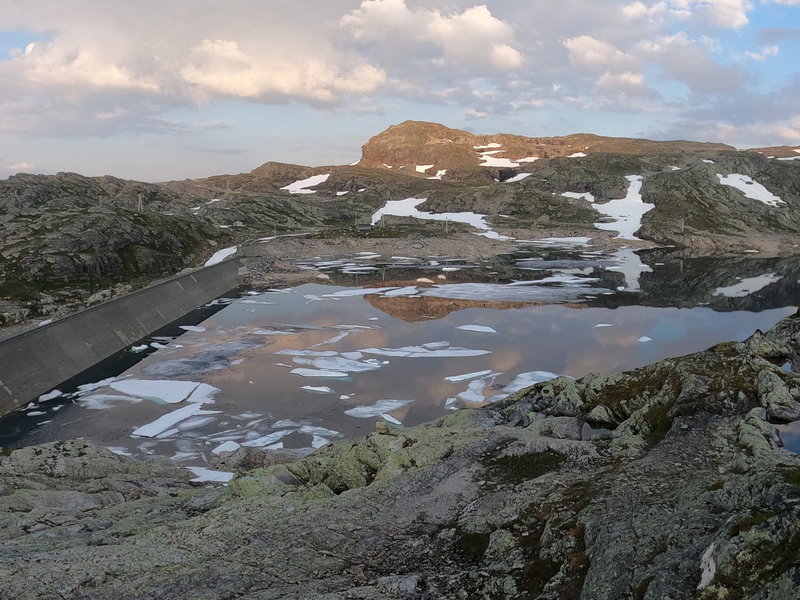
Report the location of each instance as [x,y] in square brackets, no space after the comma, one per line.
[318,373]
[229,446]
[160,390]
[468,376]
[423,352]
[320,389]
[509,293]
[206,474]
[477,328]
[168,420]
[528,379]
[374,410]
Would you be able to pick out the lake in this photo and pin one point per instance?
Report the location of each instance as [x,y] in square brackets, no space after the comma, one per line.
[403,340]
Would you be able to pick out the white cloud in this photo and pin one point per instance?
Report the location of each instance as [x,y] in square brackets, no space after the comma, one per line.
[471,113]
[639,10]
[221,67]
[765,52]
[625,80]
[587,51]
[20,166]
[474,38]
[788,2]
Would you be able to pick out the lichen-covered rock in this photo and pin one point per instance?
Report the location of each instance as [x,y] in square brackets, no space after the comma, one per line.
[690,495]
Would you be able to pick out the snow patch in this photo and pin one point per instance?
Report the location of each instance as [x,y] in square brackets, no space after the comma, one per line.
[588,196]
[626,212]
[751,189]
[221,255]
[301,186]
[519,177]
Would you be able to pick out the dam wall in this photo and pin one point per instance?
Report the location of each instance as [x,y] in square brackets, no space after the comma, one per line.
[36,361]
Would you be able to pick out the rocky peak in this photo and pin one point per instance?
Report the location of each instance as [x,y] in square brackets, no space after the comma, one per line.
[414,145]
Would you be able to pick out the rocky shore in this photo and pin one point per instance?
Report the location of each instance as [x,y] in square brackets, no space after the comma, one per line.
[664,482]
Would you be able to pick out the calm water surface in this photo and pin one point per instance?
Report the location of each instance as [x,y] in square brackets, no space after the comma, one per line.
[297,368]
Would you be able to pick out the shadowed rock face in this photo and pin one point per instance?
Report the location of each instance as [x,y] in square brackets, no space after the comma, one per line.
[681,490]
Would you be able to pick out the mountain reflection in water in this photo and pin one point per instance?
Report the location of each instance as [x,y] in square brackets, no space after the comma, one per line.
[300,367]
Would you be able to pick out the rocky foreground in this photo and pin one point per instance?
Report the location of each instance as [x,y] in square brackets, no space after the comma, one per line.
[664,482]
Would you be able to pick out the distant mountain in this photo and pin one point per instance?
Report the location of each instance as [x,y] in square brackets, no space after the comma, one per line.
[421,148]
[791,152]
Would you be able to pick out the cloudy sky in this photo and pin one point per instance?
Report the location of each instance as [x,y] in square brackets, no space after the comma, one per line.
[168,89]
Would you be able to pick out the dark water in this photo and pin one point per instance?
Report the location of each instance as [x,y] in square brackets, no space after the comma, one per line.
[303,366]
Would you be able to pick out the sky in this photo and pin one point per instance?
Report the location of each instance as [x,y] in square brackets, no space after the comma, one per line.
[157,90]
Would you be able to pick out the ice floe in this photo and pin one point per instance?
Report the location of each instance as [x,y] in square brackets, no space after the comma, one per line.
[559,241]
[203,474]
[165,391]
[195,328]
[337,364]
[221,255]
[318,373]
[440,350]
[229,446]
[390,419]
[468,376]
[405,291]
[320,389]
[477,328]
[528,379]
[301,186]
[377,409]
[50,395]
[171,419]
[499,292]
[747,286]
[266,440]
[626,212]
[751,189]
[644,339]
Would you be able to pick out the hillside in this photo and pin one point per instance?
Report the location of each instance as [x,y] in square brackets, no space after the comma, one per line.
[414,145]
[68,239]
